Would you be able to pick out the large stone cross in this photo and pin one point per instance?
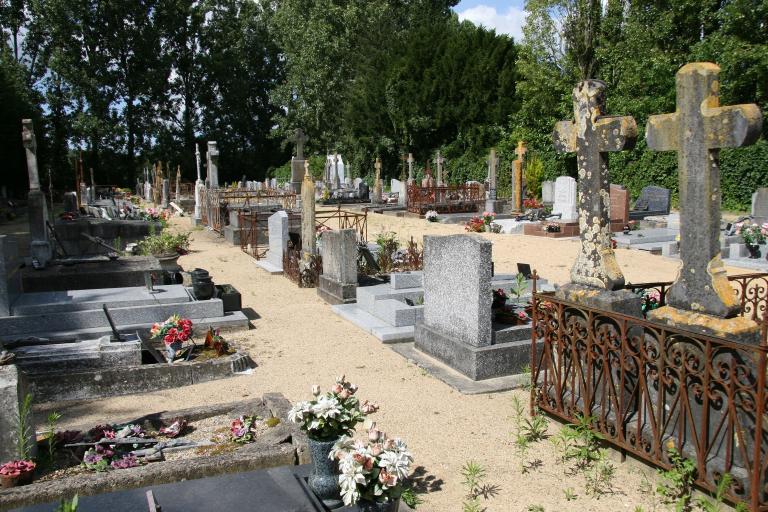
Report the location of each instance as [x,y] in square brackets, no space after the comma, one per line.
[592,135]
[520,150]
[517,178]
[697,130]
[493,162]
[299,139]
[30,145]
[377,166]
[410,167]
[439,161]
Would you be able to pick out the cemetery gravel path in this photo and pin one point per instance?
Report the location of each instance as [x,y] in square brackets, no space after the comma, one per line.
[297,341]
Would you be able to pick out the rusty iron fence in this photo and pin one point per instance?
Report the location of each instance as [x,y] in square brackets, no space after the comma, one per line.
[216,203]
[647,387]
[305,275]
[343,219]
[444,199]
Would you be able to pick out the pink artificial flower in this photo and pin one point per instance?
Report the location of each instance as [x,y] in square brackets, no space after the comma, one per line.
[337,388]
[387,479]
[344,394]
[374,434]
[369,408]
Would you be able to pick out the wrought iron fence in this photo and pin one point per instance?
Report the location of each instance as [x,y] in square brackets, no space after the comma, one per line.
[343,219]
[216,203]
[646,387]
[445,199]
[306,275]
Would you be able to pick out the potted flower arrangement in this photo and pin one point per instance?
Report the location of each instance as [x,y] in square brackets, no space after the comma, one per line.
[325,419]
[475,225]
[215,341]
[531,204]
[488,218]
[431,216]
[16,472]
[174,332]
[373,472]
[166,247]
[753,235]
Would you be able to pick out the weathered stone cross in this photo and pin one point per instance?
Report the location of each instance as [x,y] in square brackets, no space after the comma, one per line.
[520,150]
[299,139]
[30,145]
[493,162]
[517,185]
[410,167]
[697,130]
[591,135]
[439,161]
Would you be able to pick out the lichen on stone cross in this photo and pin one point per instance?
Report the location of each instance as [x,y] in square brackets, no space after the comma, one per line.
[30,145]
[591,135]
[697,130]
[520,150]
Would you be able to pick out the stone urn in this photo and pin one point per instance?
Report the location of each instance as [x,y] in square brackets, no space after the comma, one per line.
[375,506]
[324,478]
[169,261]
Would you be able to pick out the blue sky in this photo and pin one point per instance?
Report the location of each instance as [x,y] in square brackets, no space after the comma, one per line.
[505,17]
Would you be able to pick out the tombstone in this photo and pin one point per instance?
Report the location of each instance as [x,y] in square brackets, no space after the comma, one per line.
[92,188]
[428,181]
[760,205]
[178,183]
[148,192]
[596,279]
[398,187]
[213,164]
[338,283]
[363,192]
[356,182]
[491,204]
[70,202]
[565,198]
[619,205]
[278,243]
[297,163]
[702,298]
[548,192]
[10,274]
[13,390]
[652,201]
[273,183]
[517,177]
[166,192]
[377,186]
[308,229]
[40,248]
[439,161]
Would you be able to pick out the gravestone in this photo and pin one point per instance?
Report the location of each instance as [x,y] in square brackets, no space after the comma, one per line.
[278,243]
[596,279]
[702,298]
[213,164]
[619,204]
[148,192]
[439,161]
[178,183]
[517,177]
[363,191]
[308,229]
[548,192]
[40,248]
[70,202]
[10,274]
[297,163]
[166,192]
[760,205]
[565,198]
[491,204]
[13,389]
[377,187]
[653,200]
[338,283]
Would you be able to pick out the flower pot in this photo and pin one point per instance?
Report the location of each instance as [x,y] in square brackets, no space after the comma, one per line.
[230,297]
[202,284]
[754,251]
[23,478]
[324,478]
[375,506]
[168,262]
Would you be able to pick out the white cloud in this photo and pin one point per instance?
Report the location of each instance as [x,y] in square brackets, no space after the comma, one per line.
[510,22]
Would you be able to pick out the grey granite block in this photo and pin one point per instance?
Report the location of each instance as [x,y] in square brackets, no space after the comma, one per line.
[13,389]
[400,280]
[336,292]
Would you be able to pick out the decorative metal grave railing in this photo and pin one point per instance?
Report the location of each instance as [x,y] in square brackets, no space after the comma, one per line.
[216,203]
[647,386]
[445,199]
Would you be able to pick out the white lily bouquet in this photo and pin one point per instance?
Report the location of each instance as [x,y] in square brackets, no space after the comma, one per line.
[333,414]
[373,471]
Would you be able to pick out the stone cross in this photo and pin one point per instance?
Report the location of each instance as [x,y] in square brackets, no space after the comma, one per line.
[299,139]
[439,161]
[592,134]
[93,186]
[410,167]
[697,130]
[336,181]
[493,162]
[308,229]
[213,164]
[30,145]
[377,192]
[517,185]
[197,160]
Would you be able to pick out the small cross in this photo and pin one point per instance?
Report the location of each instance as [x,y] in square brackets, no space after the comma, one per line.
[520,151]
[697,130]
[299,139]
[592,134]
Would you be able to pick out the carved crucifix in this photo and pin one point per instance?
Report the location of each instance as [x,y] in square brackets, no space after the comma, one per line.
[697,130]
[299,138]
[591,135]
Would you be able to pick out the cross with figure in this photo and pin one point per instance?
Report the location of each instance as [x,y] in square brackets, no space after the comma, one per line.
[299,139]
[697,130]
[591,135]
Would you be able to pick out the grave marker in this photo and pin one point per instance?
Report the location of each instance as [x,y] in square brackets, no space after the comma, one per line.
[548,192]
[377,189]
[517,178]
[491,204]
[297,164]
[696,131]
[338,282]
[213,164]
[308,230]
[40,248]
[439,161]
[564,198]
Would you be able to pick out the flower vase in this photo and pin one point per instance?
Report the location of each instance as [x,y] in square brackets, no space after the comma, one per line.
[375,506]
[168,262]
[324,478]
[754,251]
[23,478]
[172,349]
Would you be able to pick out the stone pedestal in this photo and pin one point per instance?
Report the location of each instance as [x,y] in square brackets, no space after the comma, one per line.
[297,173]
[338,284]
[166,192]
[618,301]
[738,328]
[13,389]
[40,248]
[494,205]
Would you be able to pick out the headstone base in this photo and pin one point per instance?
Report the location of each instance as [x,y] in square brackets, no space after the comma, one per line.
[494,205]
[477,363]
[738,329]
[13,389]
[618,301]
[297,175]
[336,292]
[41,251]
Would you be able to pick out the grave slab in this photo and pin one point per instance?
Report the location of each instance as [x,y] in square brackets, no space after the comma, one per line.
[41,303]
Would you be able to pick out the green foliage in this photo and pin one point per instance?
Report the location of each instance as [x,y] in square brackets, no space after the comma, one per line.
[67,505]
[578,443]
[599,477]
[534,508]
[24,428]
[50,434]
[677,483]
[411,498]
[570,494]
[527,431]
[164,244]
[388,246]
[474,475]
